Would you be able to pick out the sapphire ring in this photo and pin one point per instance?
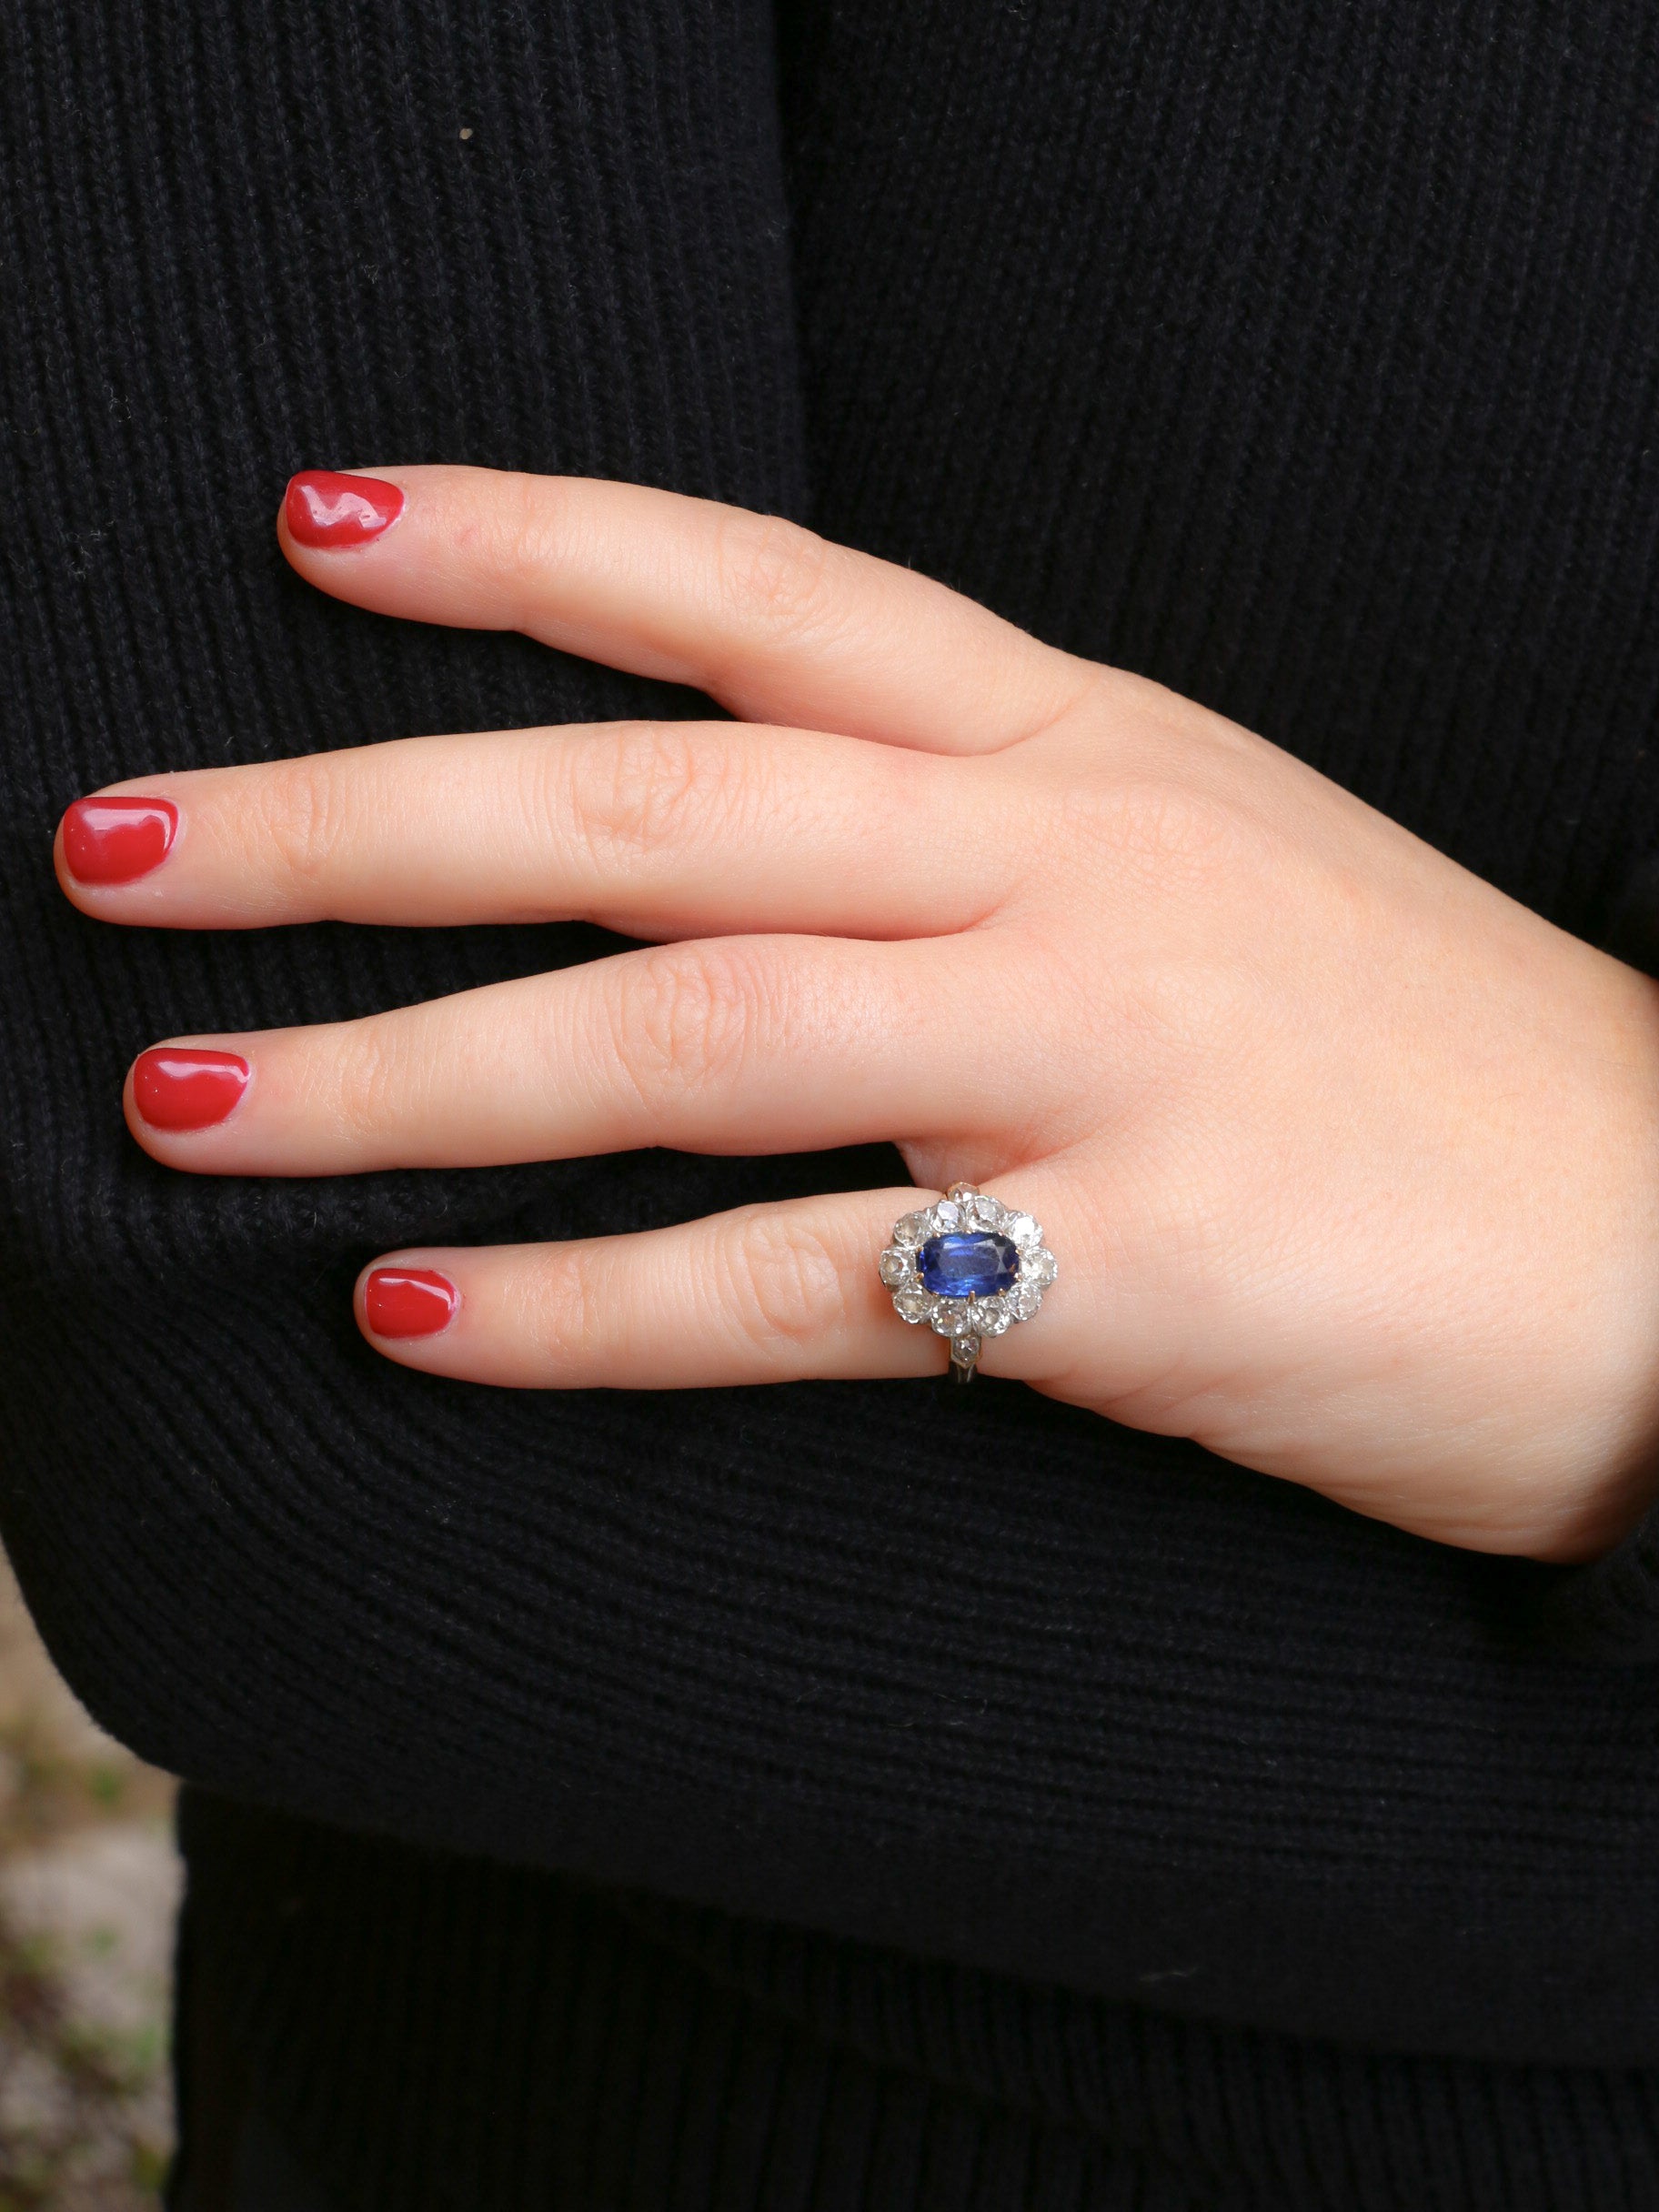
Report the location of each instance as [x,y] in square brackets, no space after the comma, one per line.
[969,1267]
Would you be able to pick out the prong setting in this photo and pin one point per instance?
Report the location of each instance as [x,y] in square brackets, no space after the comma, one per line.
[966,1320]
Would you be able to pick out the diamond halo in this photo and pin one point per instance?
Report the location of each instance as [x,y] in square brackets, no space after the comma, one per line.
[965,1321]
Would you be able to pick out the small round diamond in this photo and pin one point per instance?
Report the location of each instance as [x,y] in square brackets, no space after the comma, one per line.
[1024,1300]
[1025,1231]
[896,1267]
[965,1351]
[984,1212]
[915,1305]
[915,1229]
[990,1316]
[951,1317]
[1038,1267]
[947,1214]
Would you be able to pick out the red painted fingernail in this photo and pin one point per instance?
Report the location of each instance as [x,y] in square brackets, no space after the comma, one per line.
[186,1087]
[409,1301]
[328,510]
[116,840]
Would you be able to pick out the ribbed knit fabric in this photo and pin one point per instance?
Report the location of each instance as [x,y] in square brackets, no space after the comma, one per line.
[1306,358]
[595,2049]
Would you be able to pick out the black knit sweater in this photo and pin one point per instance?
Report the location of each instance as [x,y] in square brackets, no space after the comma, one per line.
[1133,1831]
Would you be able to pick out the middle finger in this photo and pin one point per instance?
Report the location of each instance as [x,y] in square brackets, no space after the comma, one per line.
[655,828]
[737,1044]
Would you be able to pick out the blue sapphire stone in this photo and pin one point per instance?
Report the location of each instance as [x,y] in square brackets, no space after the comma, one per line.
[968,1266]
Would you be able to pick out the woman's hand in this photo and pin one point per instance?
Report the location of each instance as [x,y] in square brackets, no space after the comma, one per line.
[1352,1163]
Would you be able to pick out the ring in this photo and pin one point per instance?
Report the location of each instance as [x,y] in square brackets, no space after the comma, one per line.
[969,1267]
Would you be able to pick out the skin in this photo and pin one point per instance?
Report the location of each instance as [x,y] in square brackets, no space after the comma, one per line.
[1350,1161]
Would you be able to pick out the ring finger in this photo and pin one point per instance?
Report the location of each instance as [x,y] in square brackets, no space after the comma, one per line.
[762,1294]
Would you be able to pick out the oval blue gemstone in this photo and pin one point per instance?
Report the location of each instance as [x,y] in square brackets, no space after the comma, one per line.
[964,1266]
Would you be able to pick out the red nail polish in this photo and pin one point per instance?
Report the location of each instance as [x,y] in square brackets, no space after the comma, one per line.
[328,510]
[186,1087]
[409,1301]
[116,840]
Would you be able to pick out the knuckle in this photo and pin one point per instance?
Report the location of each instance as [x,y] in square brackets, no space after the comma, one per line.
[785,1282]
[686,1016]
[774,575]
[1180,1019]
[511,542]
[646,786]
[369,1080]
[1162,823]
[301,818]
[561,1309]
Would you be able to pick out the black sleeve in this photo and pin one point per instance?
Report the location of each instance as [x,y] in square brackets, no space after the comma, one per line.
[1609,1610]
[980,1674]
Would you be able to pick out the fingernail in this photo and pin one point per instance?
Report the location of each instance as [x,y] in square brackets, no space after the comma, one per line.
[409,1301]
[116,840]
[328,510]
[186,1087]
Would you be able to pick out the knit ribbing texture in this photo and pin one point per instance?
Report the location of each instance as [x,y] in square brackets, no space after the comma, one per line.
[1305,359]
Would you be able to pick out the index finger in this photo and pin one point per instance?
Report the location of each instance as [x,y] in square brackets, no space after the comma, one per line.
[775,623]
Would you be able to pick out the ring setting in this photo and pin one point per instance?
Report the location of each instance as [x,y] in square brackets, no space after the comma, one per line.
[968,1266]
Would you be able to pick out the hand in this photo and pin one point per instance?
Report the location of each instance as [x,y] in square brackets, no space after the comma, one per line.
[1351,1163]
